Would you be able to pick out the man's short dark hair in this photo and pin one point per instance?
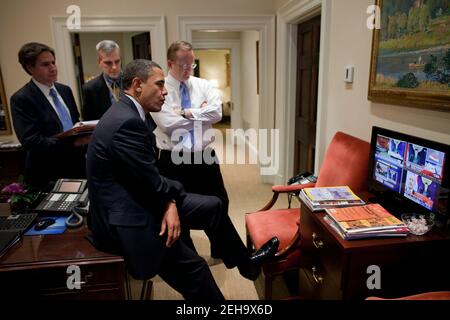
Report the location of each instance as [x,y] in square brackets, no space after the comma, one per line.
[139,68]
[177,46]
[29,53]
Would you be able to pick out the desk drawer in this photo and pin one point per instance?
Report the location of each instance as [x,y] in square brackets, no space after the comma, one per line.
[97,281]
[322,260]
[89,275]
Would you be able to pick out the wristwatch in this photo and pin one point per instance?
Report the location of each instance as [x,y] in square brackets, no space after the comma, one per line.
[183,113]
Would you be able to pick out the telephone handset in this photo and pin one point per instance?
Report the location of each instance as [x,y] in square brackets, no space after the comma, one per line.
[303,178]
[65,196]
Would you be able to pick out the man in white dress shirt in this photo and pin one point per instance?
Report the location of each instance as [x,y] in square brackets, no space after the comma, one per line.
[191,103]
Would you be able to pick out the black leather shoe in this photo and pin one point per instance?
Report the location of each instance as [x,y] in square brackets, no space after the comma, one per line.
[266,251]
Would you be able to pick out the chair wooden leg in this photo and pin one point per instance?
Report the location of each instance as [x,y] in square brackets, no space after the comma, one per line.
[128,286]
[146,291]
[268,286]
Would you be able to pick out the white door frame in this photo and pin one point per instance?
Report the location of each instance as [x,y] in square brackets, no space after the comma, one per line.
[235,47]
[265,25]
[288,18]
[63,46]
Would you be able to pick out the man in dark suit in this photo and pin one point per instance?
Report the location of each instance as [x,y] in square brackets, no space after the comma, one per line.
[40,110]
[101,92]
[140,214]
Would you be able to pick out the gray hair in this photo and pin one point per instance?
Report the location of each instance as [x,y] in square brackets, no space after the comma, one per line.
[139,68]
[107,46]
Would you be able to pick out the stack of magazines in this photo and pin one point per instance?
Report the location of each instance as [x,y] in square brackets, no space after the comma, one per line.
[329,197]
[362,222]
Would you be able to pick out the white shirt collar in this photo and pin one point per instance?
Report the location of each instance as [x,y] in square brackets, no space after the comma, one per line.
[170,79]
[138,107]
[43,87]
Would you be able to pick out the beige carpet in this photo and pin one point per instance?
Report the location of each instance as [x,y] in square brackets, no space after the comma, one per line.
[246,194]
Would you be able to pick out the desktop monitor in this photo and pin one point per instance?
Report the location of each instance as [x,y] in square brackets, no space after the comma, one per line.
[411,173]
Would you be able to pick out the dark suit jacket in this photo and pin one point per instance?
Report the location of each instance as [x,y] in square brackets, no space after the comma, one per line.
[96,98]
[127,194]
[36,122]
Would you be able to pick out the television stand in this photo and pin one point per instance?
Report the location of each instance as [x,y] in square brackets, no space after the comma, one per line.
[334,268]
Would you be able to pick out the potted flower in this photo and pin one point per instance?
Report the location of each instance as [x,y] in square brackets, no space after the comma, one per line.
[18,196]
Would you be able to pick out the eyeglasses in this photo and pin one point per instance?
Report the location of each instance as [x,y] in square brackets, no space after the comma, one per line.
[188,66]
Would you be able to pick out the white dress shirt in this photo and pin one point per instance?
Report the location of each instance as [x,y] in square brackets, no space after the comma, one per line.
[46,91]
[169,118]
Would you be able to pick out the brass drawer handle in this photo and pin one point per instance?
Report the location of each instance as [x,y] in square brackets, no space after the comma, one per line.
[88,275]
[316,242]
[316,276]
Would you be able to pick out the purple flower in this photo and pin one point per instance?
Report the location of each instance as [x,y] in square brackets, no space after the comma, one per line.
[13,188]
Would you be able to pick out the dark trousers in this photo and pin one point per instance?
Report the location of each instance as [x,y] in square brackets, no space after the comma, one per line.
[182,268]
[202,178]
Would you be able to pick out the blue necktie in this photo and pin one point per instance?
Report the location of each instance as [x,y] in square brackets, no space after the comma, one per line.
[186,103]
[185,99]
[63,114]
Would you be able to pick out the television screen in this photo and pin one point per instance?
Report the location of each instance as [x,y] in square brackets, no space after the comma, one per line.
[413,168]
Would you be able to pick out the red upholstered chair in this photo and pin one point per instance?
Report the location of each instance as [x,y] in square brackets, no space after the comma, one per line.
[437,295]
[346,163]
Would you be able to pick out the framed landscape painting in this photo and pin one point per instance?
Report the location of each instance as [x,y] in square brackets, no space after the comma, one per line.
[410,63]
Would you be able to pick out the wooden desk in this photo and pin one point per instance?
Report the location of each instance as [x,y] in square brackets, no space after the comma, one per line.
[37,267]
[333,268]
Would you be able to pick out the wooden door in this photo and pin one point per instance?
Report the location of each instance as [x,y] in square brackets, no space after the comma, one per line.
[142,48]
[78,59]
[308,49]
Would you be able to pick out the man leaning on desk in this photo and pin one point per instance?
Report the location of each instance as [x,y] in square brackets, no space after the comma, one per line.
[40,110]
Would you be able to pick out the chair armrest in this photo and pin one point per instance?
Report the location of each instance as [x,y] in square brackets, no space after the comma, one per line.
[291,188]
[284,189]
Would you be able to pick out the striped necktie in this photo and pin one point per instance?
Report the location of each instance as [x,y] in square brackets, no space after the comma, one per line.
[115,90]
[63,114]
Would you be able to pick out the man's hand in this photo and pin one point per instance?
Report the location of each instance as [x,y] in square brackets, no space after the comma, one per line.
[171,223]
[204,104]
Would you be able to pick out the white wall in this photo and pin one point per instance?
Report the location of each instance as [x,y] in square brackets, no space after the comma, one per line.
[348,108]
[24,21]
[249,96]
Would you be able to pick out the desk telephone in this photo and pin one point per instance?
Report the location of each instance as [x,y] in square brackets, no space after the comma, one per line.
[65,196]
[302,178]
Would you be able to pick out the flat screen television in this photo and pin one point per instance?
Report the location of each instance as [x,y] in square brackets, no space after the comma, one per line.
[410,174]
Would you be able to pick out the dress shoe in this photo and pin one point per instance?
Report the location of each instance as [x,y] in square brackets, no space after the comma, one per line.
[266,251]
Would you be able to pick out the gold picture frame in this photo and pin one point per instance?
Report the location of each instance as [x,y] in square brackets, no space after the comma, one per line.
[5,120]
[410,62]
